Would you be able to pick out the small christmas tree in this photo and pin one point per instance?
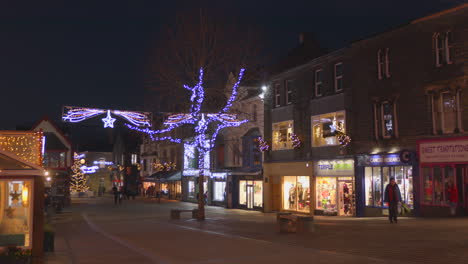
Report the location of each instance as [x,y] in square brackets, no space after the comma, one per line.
[78,178]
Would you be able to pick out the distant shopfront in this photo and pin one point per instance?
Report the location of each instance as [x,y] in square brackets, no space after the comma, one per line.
[374,173]
[443,164]
[334,187]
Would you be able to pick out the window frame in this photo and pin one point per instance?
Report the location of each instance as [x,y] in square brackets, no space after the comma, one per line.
[338,77]
[288,92]
[277,95]
[319,116]
[318,83]
[277,146]
[387,63]
[394,120]
[438,117]
[380,65]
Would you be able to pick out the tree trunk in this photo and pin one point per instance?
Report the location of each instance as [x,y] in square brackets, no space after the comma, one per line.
[201,191]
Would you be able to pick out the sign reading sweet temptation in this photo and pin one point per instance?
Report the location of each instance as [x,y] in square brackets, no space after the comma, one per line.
[444,151]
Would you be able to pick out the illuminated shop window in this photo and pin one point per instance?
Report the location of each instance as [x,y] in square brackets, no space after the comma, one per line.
[325,127]
[377,179]
[251,194]
[15,213]
[296,193]
[282,135]
[437,184]
[219,190]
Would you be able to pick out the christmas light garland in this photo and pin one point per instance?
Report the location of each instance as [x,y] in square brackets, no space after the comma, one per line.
[295,141]
[77,114]
[262,144]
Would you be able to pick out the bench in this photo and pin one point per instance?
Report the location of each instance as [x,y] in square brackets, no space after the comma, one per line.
[175,213]
[291,223]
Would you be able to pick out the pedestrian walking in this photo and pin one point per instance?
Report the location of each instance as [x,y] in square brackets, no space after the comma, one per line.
[115,192]
[121,194]
[392,197]
[453,198]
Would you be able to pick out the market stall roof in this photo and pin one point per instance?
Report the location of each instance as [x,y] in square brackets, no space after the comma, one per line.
[10,164]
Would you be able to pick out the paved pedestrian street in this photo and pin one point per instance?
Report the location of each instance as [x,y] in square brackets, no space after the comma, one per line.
[140,231]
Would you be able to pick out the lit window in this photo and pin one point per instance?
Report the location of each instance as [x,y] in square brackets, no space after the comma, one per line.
[16,212]
[385,120]
[296,193]
[318,83]
[219,191]
[288,92]
[338,77]
[134,159]
[282,135]
[277,95]
[446,113]
[325,127]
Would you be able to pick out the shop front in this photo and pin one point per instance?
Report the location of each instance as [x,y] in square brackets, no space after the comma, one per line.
[334,187]
[373,175]
[288,187]
[444,176]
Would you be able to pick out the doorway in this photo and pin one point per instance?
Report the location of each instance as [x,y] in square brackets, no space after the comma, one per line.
[250,194]
[346,196]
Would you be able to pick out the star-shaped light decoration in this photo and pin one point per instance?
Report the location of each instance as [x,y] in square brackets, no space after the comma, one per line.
[9,212]
[108,121]
[15,196]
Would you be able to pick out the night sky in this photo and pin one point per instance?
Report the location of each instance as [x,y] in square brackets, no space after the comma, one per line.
[94,54]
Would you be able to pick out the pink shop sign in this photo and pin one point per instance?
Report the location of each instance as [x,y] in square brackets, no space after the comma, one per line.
[444,151]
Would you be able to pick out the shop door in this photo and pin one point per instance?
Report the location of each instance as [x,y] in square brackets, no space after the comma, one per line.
[346,197]
[250,196]
[462,186]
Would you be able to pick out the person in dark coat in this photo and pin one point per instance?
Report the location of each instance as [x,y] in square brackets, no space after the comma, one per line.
[392,197]
[115,192]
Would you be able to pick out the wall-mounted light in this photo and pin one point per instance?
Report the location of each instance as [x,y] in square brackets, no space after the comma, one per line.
[25,195]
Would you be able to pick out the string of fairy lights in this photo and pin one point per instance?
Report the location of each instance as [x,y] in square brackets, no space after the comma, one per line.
[26,145]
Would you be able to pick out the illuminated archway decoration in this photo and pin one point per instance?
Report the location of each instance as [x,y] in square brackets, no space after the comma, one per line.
[75,114]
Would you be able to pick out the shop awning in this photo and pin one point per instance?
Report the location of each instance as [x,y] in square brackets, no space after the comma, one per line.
[164,176]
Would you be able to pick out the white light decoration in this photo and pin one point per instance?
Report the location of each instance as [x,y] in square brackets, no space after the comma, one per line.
[101,162]
[77,114]
[206,126]
[89,170]
[108,121]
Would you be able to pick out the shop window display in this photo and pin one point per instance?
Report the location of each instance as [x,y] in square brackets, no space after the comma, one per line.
[296,193]
[282,135]
[326,193]
[251,193]
[377,178]
[436,184]
[15,213]
[325,127]
[219,191]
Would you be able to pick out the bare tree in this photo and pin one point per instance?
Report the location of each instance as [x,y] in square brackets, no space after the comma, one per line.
[207,39]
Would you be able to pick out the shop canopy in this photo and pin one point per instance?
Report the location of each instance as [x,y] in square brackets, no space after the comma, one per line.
[164,176]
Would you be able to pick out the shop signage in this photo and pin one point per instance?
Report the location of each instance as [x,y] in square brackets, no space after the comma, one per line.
[384,159]
[444,151]
[334,167]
